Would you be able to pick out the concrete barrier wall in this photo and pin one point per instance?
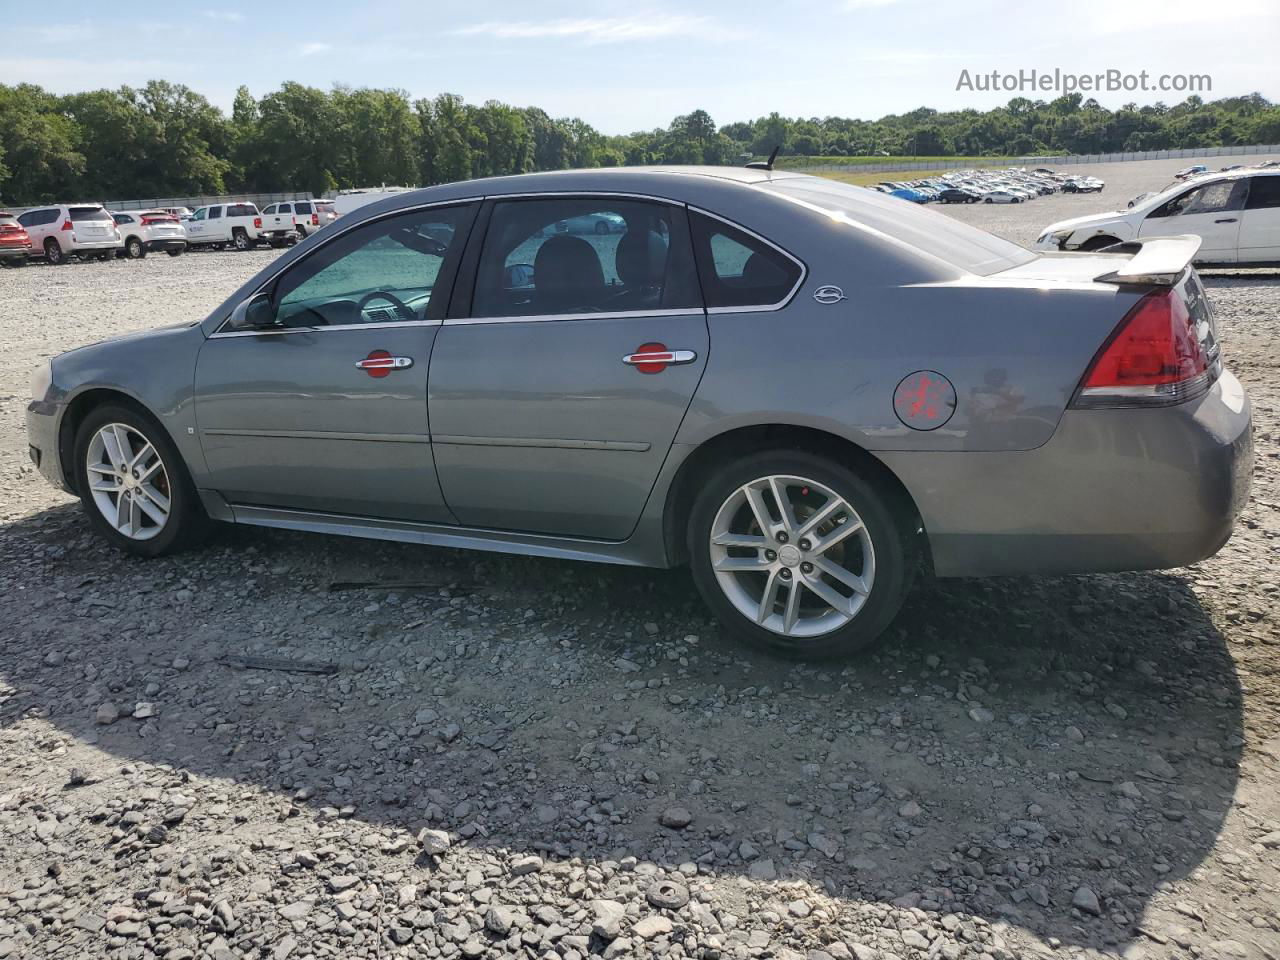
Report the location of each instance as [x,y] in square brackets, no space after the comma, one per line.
[1046,161]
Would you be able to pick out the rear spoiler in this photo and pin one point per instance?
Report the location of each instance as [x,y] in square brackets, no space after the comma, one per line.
[1160,260]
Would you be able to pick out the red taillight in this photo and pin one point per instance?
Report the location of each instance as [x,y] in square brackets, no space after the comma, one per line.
[1153,355]
[315,219]
[66,225]
[257,223]
[147,221]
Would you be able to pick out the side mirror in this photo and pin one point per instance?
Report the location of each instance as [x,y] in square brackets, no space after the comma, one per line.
[255,313]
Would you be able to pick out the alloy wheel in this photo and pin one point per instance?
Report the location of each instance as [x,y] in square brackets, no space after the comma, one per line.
[128,481]
[792,556]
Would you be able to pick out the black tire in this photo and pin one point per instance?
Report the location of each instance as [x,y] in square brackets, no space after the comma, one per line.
[218,246]
[53,252]
[988,200]
[892,536]
[240,240]
[175,253]
[135,249]
[187,523]
[1097,243]
[302,232]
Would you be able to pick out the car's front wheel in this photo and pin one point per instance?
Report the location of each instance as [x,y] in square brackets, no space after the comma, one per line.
[800,555]
[133,483]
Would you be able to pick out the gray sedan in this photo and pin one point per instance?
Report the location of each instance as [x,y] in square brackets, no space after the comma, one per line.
[806,391]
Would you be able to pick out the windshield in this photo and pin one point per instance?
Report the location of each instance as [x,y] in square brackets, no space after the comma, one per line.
[936,234]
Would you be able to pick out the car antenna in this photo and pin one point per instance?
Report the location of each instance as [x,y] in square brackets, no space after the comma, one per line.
[765,164]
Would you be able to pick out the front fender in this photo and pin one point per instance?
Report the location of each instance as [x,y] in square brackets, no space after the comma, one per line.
[154,369]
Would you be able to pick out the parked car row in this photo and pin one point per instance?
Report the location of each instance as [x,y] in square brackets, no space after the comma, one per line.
[1014,185]
[90,231]
[1235,213]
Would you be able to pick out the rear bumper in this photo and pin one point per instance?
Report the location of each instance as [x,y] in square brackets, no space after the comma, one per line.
[1112,490]
[82,245]
[14,253]
[166,244]
[277,235]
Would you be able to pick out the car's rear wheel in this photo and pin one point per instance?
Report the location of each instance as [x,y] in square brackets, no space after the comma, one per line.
[135,249]
[798,554]
[53,252]
[174,253]
[240,239]
[133,483]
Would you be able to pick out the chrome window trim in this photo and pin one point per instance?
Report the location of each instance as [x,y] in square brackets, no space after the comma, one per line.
[757,308]
[282,331]
[333,235]
[554,317]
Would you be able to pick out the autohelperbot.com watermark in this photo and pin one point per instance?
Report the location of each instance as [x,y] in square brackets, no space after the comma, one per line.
[1058,81]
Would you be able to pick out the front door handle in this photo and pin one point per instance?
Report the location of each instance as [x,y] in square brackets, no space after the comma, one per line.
[379,363]
[1226,220]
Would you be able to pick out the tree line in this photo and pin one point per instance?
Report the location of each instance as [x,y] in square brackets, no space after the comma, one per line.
[165,139]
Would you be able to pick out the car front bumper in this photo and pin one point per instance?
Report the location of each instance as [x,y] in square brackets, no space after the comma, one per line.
[1131,489]
[43,419]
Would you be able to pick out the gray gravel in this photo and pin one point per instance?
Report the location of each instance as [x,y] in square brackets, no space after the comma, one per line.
[524,757]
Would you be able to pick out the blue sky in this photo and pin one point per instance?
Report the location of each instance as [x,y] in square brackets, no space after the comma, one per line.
[635,65]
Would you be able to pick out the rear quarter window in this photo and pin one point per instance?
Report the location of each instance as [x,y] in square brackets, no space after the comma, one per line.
[936,234]
[737,269]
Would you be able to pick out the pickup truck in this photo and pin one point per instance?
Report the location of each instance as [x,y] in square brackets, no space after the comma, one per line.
[238,224]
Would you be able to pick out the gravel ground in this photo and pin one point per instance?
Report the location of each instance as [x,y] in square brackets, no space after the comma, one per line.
[535,758]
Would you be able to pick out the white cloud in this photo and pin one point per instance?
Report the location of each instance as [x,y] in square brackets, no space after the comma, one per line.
[224,16]
[312,49]
[1135,16]
[593,29]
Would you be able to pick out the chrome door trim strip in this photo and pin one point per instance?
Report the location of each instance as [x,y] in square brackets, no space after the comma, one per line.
[626,446]
[320,435]
[552,317]
[282,331]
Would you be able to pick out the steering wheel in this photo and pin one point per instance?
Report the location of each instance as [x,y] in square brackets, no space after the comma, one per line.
[404,309]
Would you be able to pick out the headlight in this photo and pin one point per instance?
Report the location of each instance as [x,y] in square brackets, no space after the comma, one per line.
[41,380]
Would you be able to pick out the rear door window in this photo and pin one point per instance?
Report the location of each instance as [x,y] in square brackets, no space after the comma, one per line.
[738,269]
[1264,193]
[583,255]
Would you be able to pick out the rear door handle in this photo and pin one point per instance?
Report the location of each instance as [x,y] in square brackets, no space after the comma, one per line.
[670,357]
[1226,220]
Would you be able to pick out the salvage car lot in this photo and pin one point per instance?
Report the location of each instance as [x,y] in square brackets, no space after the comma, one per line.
[1022,765]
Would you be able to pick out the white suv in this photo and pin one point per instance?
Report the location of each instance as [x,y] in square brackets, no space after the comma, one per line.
[1236,215]
[146,231]
[86,230]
